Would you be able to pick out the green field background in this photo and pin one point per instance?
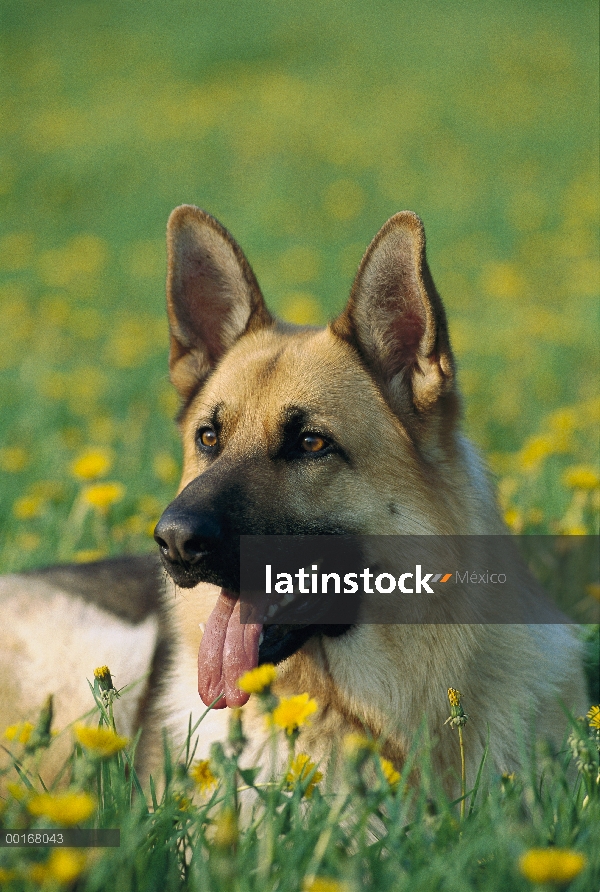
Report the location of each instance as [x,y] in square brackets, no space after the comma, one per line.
[302,127]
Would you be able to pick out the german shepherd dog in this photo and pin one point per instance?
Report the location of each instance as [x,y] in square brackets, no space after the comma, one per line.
[349,429]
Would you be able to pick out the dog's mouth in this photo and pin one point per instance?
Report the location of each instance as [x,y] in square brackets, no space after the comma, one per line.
[242,632]
[206,567]
[232,643]
[230,647]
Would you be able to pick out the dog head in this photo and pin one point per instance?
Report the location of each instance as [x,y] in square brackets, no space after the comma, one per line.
[290,430]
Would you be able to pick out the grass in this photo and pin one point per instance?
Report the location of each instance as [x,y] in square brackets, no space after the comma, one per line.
[302,128]
[373,828]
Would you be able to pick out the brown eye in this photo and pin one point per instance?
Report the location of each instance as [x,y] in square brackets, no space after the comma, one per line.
[208,437]
[312,443]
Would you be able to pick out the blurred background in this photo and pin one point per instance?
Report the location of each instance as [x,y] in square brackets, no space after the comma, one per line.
[302,127]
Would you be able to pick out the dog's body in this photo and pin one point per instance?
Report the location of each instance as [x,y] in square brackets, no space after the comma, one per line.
[350,429]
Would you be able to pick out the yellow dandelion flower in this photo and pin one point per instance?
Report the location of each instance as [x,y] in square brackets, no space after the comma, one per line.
[391,775]
[202,775]
[581,477]
[150,505]
[344,199]
[88,555]
[65,865]
[29,507]
[535,516]
[256,680]
[300,770]
[507,779]
[574,529]
[563,420]
[133,525]
[454,697]
[91,464]
[102,495]
[300,263]
[16,791]
[593,717]
[556,866]
[293,712]
[13,459]
[513,519]
[20,732]
[39,873]
[102,742]
[503,280]
[324,884]
[6,875]
[301,309]
[27,541]
[53,490]
[226,829]
[593,590]
[535,451]
[65,809]
[165,467]
[355,743]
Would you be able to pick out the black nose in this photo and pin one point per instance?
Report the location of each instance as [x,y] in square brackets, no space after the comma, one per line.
[185,537]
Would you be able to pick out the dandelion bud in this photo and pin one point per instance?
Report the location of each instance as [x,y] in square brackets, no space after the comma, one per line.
[105,682]
[431,808]
[593,717]
[235,737]
[580,745]
[457,717]
[103,685]
[41,736]
[217,756]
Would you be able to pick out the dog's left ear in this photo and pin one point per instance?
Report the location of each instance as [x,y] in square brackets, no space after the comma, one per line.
[396,320]
[213,297]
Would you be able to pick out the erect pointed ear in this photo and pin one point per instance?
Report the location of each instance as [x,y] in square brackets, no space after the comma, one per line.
[396,320]
[213,297]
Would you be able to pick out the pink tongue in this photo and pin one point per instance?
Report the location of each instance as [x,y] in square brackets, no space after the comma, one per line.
[227,650]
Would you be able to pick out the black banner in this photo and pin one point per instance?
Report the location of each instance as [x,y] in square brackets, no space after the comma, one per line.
[302,580]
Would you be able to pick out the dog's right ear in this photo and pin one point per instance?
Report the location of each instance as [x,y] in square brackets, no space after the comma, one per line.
[213,297]
[396,321]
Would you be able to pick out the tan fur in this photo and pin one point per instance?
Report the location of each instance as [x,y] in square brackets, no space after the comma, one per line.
[400,427]
[380,381]
[383,679]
